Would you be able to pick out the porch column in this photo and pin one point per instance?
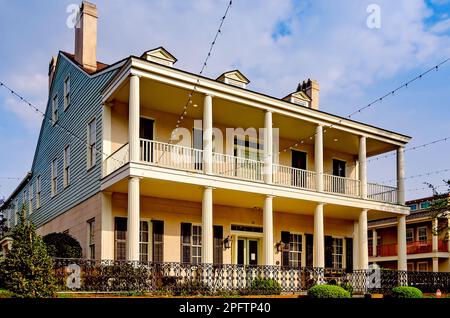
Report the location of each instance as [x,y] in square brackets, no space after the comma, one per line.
[356,245]
[133,219]
[207,134]
[133,120]
[318,157]
[207,226]
[401,175]
[363,244]
[374,242]
[448,234]
[268,230]
[319,244]
[268,147]
[434,232]
[362,167]
[107,246]
[435,264]
[401,243]
[106,129]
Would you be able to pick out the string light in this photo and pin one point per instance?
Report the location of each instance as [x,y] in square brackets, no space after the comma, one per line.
[425,174]
[378,100]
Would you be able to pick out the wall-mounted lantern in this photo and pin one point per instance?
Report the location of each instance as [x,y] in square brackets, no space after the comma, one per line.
[226,242]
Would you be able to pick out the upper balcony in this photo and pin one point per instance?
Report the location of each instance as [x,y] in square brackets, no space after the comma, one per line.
[231,133]
[417,247]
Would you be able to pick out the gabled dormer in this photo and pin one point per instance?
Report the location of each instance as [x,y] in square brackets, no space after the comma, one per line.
[299,98]
[160,55]
[235,78]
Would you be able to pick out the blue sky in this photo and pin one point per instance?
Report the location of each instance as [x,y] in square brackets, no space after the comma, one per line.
[276,44]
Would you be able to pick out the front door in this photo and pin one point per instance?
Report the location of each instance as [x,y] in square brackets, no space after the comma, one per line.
[247,251]
[146,133]
[298,178]
[339,185]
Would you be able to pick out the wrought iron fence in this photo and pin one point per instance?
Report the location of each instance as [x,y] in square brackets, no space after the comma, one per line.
[208,279]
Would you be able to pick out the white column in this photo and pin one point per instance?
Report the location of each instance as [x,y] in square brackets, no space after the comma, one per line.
[356,245]
[401,175]
[207,134]
[319,244]
[133,120]
[363,244]
[107,247]
[268,230]
[434,232]
[374,242]
[207,226]
[133,219]
[318,157]
[448,234]
[268,147]
[106,130]
[401,243]
[362,167]
[435,264]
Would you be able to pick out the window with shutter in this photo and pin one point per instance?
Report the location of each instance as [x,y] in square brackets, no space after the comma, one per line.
[309,250]
[218,246]
[120,237]
[158,241]
[349,254]
[286,240]
[186,242]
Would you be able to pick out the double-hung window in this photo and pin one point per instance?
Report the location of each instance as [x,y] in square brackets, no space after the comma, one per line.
[295,250]
[30,203]
[196,244]
[54,177]
[55,109]
[38,192]
[66,170]
[143,241]
[338,251]
[91,140]
[191,243]
[66,92]
[409,235]
[91,238]
[422,234]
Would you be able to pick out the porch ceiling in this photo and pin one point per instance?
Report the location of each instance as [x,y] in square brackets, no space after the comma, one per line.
[164,97]
[189,192]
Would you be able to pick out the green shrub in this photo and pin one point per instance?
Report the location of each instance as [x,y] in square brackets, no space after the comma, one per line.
[328,291]
[62,245]
[406,292]
[265,286]
[191,287]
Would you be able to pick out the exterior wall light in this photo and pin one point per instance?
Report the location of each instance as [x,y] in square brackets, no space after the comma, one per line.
[226,242]
[279,246]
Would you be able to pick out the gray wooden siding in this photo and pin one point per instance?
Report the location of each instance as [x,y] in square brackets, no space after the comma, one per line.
[85,104]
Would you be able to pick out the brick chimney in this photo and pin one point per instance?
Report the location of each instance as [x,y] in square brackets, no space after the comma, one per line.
[86,37]
[311,88]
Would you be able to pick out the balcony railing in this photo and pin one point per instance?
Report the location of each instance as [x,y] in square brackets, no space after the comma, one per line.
[190,159]
[293,177]
[381,193]
[345,186]
[417,247]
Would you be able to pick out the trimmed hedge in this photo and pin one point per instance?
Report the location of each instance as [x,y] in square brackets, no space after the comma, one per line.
[328,291]
[62,245]
[406,292]
[265,286]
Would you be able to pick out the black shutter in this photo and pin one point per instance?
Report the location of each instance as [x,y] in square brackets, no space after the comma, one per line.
[186,229]
[158,241]
[218,246]
[328,251]
[349,254]
[286,239]
[309,248]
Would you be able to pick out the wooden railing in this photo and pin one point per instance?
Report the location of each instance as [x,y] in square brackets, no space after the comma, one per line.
[190,159]
[116,160]
[236,167]
[416,247]
[341,185]
[293,177]
[382,193]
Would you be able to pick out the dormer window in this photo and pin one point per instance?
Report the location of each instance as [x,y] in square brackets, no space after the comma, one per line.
[161,56]
[299,98]
[235,78]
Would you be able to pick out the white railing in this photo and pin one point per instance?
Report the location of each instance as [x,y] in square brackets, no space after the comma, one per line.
[382,193]
[116,160]
[341,185]
[236,167]
[293,177]
[172,156]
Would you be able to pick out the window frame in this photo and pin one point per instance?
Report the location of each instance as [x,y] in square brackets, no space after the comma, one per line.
[427,203]
[422,263]
[418,234]
[410,230]
[143,243]
[54,180]
[413,207]
[196,259]
[30,198]
[16,212]
[66,166]
[91,238]
[38,191]
[336,255]
[67,92]
[298,252]
[91,155]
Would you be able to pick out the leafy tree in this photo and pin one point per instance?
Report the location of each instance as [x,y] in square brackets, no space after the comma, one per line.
[3,225]
[62,245]
[28,268]
[440,207]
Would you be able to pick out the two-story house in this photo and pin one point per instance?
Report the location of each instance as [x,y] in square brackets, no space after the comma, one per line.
[428,246]
[139,160]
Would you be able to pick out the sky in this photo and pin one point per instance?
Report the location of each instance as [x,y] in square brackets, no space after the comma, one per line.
[275,43]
